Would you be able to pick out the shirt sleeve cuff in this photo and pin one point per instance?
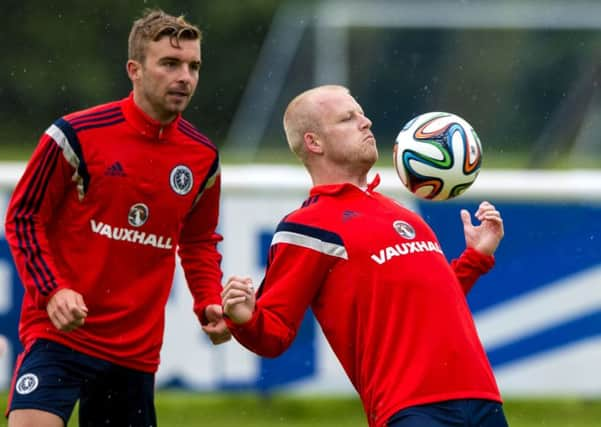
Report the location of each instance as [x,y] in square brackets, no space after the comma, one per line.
[480,262]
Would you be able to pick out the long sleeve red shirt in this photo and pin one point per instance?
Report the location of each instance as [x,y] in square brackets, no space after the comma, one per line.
[390,305]
[107,198]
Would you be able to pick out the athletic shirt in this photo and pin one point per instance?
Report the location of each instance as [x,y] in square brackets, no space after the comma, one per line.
[106,199]
[390,305]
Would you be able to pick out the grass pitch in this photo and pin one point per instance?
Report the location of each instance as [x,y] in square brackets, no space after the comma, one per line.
[184,409]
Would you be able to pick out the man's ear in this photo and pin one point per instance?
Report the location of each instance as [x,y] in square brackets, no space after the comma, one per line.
[312,143]
[134,68]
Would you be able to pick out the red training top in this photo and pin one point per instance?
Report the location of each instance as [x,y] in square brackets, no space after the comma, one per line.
[107,197]
[387,300]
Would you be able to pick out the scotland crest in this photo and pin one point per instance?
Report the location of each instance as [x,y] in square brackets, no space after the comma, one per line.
[27,383]
[181,180]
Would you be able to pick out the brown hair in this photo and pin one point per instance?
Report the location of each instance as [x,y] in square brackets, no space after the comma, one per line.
[153,26]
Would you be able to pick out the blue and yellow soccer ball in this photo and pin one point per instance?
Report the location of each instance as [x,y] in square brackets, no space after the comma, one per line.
[437,155]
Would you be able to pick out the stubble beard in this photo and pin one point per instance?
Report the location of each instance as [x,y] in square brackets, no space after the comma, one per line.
[364,160]
[166,108]
[371,155]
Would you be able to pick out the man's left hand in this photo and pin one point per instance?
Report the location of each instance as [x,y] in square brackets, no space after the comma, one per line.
[216,329]
[485,238]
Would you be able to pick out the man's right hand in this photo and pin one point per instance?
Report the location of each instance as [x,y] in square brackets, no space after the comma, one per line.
[67,310]
[238,299]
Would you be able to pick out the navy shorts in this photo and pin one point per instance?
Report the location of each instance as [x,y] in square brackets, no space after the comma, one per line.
[451,413]
[51,377]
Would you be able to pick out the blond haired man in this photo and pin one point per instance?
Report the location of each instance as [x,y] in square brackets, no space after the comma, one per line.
[373,272]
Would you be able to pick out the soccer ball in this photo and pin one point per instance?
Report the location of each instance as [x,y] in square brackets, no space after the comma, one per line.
[437,155]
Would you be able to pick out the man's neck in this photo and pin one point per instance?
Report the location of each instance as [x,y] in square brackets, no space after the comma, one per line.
[146,107]
[329,178]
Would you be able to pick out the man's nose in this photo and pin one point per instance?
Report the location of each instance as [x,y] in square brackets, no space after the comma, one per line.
[365,122]
[186,74]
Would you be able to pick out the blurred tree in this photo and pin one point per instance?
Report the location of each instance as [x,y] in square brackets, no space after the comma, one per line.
[66,55]
[517,87]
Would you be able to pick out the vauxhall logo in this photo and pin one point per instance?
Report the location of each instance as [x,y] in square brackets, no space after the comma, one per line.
[406,231]
[130,235]
[389,252]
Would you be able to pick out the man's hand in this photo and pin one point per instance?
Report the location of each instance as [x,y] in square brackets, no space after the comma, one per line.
[216,329]
[67,310]
[238,298]
[485,238]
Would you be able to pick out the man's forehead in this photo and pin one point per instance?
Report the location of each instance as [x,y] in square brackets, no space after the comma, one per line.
[165,48]
[339,101]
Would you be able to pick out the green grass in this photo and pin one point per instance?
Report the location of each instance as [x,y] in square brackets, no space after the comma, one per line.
[553,413]
[181,409]
[256,411]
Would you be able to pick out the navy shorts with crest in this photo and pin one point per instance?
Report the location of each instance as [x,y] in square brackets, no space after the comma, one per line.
[52,377]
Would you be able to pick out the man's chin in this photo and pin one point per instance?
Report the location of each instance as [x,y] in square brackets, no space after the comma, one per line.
[371,156]
[176,108]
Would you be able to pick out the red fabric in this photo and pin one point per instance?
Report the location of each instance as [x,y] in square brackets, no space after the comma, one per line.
[391,307]
[469,266]
[67,226]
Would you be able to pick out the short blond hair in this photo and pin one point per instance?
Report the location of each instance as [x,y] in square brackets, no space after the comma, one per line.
[302,115]
[153,26]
